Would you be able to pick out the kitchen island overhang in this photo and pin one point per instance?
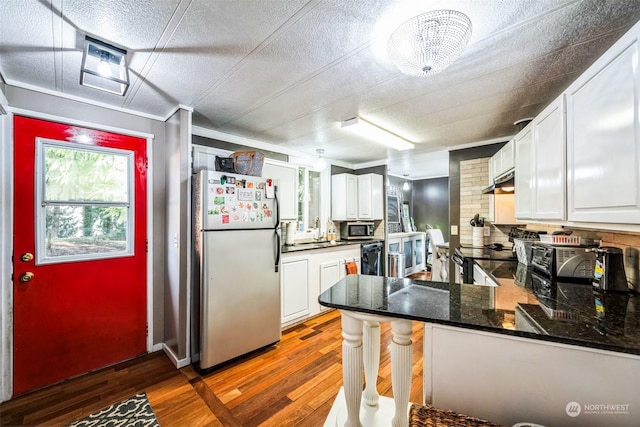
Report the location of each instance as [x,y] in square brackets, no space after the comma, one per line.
[470,307]
[466,349]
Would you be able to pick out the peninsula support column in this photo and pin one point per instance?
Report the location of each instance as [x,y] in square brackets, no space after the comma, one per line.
[371,362]
[401,349]
[352,367]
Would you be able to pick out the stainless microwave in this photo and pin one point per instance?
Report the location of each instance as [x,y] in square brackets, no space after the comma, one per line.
[356,230]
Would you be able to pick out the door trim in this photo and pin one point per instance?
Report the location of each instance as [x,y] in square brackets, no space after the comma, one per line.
[6,226]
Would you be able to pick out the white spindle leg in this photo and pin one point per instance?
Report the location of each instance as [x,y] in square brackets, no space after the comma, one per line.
[371,362]
[401,369]
[352,367]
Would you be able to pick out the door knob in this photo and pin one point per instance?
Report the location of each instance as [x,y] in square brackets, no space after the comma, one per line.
[26,277]
[26,257]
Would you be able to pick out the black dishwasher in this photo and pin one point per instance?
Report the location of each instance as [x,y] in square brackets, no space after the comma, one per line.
[371,262]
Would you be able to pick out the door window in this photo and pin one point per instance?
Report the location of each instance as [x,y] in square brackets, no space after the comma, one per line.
[84,202]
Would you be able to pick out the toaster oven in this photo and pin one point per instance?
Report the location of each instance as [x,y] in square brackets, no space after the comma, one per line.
[563,261]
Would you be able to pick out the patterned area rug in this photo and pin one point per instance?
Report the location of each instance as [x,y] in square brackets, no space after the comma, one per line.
[133,412]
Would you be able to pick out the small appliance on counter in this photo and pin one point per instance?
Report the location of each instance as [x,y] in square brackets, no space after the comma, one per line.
[359,230]
[575,262]
[609,274]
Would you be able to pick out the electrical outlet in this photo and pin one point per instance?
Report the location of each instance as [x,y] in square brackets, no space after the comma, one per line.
[487,231]
[454,230]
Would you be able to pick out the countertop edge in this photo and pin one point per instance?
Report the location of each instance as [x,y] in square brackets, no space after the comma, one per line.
[509,332]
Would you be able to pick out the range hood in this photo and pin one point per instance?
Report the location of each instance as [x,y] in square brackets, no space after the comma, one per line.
[504,183]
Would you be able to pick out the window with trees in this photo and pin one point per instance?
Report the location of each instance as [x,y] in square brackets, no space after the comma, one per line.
[84,202]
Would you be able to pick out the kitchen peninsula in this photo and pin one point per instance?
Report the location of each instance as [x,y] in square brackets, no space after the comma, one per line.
[475,339]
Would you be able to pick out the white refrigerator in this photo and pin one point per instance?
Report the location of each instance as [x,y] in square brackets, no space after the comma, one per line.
[237,283]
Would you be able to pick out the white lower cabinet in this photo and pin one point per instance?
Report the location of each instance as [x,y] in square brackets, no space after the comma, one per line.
[294,280]
[412,247]
[329,275]
[469,371]
[306,274]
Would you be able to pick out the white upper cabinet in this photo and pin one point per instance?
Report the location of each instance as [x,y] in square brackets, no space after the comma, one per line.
[503,161]
[540,166]
[523,142]
[549,162]
[370,204]
[344,197]
[603,138]
[355,197]
[285,176]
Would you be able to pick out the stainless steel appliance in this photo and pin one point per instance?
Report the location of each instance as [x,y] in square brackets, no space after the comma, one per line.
[371,262]
[609,274]
[236,266]
[356,230]
[563,261]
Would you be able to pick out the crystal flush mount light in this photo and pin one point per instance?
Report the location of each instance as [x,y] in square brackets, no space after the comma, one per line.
[377,134]
[426,44]
[104,67]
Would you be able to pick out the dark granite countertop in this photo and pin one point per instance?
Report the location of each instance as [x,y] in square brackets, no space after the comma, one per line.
[566,314]
[321,245]
[486,253]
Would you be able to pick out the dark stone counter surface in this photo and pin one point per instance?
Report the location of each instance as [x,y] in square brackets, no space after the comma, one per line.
[321,245]
[569,313]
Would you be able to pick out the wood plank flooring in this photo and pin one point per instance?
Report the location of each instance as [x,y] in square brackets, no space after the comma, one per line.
[292,383]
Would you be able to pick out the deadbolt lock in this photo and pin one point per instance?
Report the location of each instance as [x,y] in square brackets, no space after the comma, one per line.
[26,257]
[26,277]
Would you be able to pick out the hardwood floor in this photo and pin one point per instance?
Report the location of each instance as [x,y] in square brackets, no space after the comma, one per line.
[290,384]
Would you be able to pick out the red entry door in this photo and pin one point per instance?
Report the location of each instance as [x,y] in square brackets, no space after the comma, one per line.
[79,253]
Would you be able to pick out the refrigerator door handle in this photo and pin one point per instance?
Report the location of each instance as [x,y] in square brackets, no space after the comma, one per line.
[277,203]
[277,250]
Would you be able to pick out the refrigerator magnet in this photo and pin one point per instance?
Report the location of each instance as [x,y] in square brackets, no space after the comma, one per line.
[231,180]
[260,186]
[246,195]
[258,195]
[270,190]
[250,184]
[225,219]
[230,190]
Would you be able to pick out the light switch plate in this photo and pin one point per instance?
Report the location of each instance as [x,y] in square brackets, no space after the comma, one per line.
[454,230]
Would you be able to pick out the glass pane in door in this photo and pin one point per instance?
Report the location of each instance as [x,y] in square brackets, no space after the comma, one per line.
[419,250]
[408,253]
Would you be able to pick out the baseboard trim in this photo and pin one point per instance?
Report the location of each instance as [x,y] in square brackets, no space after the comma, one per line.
[178,363]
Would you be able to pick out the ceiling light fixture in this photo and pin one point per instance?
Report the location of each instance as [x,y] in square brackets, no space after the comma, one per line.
[406,186]
[320,163]
[104,67]
[426,44]
[377,134]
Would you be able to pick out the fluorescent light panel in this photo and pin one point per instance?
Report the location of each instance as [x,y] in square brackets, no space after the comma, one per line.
[370,131]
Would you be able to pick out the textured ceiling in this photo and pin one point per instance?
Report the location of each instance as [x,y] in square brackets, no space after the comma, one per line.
[288,72]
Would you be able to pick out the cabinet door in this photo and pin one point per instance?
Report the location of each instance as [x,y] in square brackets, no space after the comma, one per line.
[603,138]
[329,276]
[496,164]
[365,210]
[418,248]
[409,257]
[295,288]
[523,180]
[344,197]
[508,157]
[549,165]
[286,178]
